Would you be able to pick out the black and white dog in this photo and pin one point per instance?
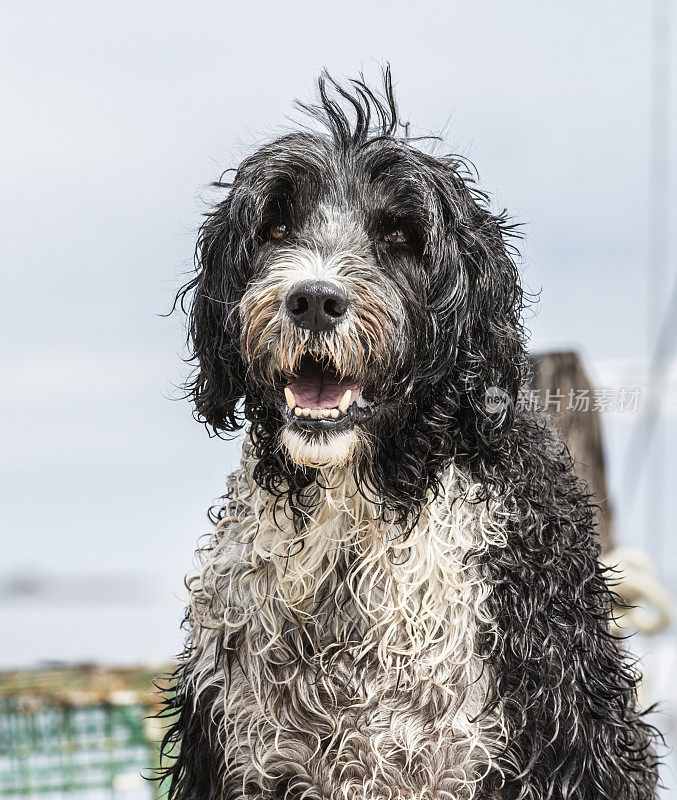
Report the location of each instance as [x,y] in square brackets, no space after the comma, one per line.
[401,598]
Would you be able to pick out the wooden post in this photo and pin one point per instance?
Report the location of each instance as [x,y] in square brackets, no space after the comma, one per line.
[560,378]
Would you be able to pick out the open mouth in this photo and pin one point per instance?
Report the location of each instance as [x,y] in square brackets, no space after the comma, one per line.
[318,398]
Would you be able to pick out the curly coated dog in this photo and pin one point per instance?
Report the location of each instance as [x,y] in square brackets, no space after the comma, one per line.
[401,597]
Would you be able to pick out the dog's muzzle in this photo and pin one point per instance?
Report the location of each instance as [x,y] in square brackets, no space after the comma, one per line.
[318,396]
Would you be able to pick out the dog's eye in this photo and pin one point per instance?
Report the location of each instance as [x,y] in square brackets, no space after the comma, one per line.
[278,231]
[396,236]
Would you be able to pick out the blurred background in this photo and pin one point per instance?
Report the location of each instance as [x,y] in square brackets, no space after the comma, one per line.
[116,117]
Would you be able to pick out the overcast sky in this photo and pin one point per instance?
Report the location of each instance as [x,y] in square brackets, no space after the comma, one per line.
[115,119]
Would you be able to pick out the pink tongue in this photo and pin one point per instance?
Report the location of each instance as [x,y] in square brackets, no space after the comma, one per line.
[319,389]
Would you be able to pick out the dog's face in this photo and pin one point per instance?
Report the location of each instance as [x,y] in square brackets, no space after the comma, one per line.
[333,303]
[358,295]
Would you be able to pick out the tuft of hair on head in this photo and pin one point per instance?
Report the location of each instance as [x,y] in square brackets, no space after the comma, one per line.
[375,114]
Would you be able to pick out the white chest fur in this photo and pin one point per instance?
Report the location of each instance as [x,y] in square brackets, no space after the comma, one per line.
[353,668]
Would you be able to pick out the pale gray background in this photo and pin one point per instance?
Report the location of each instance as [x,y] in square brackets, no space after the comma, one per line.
[115,119]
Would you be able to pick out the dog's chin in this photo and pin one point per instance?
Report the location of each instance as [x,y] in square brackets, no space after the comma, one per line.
[319,449]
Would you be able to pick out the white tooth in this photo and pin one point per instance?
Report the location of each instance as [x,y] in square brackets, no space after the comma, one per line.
[291,400]
[335,412]
[305,412]
[297,411]
[345,401]
[326,413]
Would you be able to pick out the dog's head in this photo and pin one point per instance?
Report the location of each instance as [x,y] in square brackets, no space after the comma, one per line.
[359,296]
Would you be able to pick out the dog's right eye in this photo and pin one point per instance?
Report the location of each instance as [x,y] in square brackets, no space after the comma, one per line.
[278,231]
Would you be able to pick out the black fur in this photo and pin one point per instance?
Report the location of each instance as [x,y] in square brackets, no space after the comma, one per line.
[575,729]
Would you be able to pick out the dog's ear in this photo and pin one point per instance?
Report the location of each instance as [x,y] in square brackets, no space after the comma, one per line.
[212,298]
[490,358]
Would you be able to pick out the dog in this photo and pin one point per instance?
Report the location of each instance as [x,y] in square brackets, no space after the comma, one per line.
[401,598]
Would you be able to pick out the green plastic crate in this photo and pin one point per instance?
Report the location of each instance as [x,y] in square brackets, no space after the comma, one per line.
[88,751]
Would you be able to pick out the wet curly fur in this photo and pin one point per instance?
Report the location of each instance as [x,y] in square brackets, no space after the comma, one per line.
[412,608]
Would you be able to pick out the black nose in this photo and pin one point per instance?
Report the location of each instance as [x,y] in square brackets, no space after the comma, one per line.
[316,305]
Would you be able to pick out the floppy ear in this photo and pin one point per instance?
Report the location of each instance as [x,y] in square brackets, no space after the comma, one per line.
[214,294]
[490,362]
[494,364]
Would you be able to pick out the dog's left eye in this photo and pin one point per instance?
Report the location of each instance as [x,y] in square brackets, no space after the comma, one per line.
[396,236]
[278,231]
